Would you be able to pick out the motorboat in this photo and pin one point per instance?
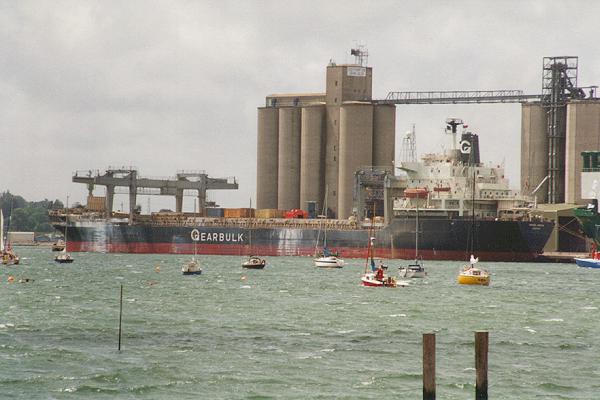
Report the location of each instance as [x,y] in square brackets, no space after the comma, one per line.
[588,262]
[593,261]
[254,262]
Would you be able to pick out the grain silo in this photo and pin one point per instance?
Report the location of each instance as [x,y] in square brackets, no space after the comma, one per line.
[384,135]
[534,150]
[311,155]
[267,157]
[356,150]
[332,153]
[311,147]
[288,182]
[583,134]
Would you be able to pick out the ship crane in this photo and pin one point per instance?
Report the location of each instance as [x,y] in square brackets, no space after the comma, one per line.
[112,178]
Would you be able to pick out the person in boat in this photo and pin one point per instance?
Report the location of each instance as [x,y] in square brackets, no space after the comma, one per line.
[473,260]
[379,275]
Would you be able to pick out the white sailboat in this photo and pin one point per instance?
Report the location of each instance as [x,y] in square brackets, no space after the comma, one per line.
[8,255]
[193,267]
[416,268]
[253,262]
[326,258]
[63,257]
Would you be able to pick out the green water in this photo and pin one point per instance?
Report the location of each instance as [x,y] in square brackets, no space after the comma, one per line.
[291,331]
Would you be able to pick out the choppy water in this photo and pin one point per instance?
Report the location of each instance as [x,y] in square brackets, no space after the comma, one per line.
[290,331]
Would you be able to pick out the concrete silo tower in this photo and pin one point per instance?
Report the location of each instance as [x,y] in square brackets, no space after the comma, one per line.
[315,142]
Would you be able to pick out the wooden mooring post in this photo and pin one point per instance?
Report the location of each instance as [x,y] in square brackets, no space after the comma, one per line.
[481,365]
[120,316]
[429,366]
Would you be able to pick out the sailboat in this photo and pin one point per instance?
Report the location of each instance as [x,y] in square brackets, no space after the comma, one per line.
[326,258]
[8,255]
[414,269]
[63,257]
[470,274]
[253,262]
[375,276]
[192,267]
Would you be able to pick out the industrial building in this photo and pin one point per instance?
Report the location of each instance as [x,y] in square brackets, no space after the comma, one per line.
[311,144]
[555,130]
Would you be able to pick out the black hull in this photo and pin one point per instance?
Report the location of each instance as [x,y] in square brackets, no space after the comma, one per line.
[440,238]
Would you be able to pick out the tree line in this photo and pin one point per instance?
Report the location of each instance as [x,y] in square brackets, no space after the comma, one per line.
[27,216]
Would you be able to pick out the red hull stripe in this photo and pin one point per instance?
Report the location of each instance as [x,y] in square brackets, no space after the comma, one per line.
[239,250]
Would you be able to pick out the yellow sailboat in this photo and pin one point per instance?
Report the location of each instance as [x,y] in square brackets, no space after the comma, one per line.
[471,275]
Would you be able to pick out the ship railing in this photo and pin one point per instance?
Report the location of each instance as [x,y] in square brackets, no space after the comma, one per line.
[261,223]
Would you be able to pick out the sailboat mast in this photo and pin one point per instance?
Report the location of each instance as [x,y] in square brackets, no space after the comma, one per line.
[417,232]
[66,223]
[250,229]
[1,230]
[472,203]
[323,213]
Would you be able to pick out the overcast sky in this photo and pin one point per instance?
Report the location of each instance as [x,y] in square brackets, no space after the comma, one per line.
[174,85]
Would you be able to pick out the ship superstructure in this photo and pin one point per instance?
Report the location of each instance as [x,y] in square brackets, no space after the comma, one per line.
[455,182]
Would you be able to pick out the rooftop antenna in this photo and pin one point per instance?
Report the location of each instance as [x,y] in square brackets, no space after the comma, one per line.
[361,55]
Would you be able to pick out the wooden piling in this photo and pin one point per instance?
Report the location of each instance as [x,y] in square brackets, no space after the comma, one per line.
[429,366]
[120,316]
[481,365]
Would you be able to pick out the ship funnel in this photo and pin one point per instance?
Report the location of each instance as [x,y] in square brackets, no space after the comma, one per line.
[469,148]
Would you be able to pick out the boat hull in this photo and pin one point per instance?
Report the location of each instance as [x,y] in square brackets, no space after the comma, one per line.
[369,280]
[191,273]
[441,239]
[587,262]
[411,274]
[329,262]
[473,280]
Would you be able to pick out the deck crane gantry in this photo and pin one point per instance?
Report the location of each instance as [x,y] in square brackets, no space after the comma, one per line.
[128,177]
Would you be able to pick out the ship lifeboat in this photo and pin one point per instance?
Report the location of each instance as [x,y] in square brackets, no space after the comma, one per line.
[416,193]
[441,189]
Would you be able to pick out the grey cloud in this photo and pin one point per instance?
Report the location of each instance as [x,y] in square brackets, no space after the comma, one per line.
[169,85]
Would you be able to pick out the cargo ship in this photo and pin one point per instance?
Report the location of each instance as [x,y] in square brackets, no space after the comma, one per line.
[443,188]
